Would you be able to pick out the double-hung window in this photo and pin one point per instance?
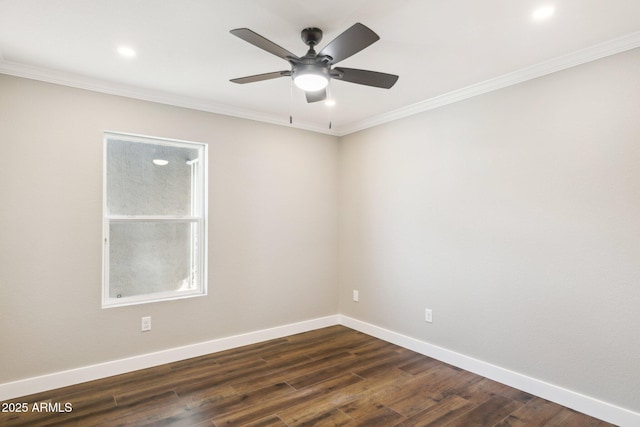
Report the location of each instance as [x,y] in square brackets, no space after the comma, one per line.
[155,219]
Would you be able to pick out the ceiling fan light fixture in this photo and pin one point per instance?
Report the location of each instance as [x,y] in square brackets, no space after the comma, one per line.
[313,71]
[310,82]
[310,78]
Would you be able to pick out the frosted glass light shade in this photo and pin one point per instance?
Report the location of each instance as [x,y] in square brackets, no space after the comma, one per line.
[311,82]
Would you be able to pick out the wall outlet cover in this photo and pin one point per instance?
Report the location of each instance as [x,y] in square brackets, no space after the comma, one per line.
[428,315]
[146,324]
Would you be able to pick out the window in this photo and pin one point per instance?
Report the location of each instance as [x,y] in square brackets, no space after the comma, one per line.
[155,222]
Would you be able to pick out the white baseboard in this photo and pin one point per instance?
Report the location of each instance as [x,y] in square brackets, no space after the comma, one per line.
[571,399]
[102,370]
[588,405]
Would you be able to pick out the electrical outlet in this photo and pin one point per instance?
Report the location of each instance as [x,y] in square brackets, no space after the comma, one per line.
[356,296]
[428,315]
[146,324]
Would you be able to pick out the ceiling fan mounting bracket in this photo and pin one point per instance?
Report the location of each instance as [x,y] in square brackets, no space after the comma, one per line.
[311,36]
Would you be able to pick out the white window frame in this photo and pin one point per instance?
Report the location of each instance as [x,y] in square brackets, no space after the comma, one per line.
[198,219]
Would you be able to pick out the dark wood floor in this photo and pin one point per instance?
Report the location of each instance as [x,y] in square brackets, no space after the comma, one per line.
[329,377]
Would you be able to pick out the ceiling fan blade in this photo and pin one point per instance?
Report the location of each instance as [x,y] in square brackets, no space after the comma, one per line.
[259,41]
[352,41]
[319,95]
[261,77]
[366,77]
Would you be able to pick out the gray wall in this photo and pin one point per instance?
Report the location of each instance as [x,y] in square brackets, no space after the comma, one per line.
[272,240]
[515,217]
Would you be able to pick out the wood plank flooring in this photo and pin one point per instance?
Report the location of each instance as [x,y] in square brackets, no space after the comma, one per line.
[333,376]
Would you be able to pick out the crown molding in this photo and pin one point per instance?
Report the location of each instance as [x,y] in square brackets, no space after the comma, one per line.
[119,89]
[601,50]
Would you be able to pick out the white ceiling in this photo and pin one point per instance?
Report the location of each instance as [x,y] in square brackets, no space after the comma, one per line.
[443,50]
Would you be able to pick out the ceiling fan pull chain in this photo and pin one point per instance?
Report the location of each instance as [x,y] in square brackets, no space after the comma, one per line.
[330,98]
[291,103]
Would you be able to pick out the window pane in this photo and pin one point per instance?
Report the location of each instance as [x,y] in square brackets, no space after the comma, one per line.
[151,257]
[149,179]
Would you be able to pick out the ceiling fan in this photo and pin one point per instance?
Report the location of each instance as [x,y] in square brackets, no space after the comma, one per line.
[313,71]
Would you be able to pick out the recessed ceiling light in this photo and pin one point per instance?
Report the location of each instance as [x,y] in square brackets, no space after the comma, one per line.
[543,12]
[126,51]
[160,162]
